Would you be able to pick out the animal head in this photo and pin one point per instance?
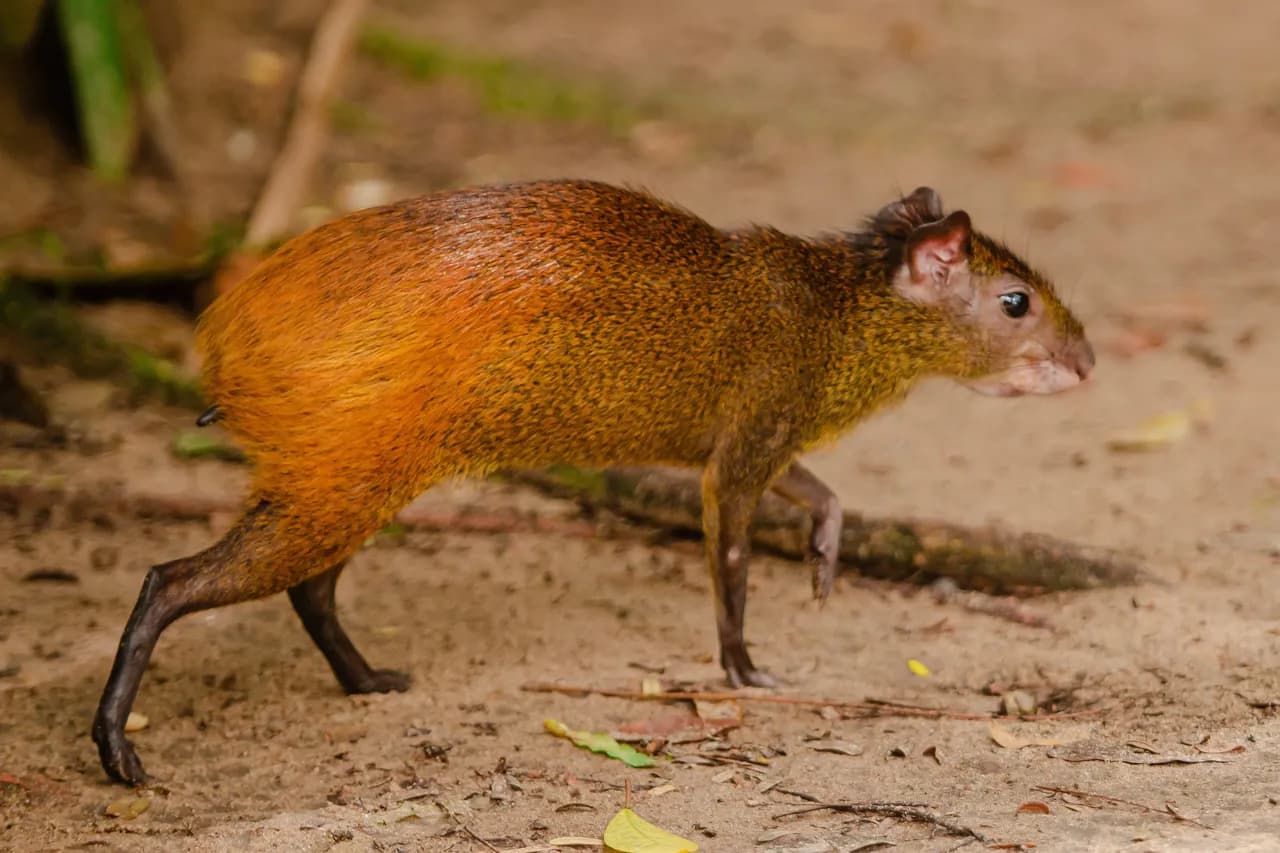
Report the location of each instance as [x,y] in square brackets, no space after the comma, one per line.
[1028,342]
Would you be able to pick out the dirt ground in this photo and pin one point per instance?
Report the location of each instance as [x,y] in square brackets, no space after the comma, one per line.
[1128,148]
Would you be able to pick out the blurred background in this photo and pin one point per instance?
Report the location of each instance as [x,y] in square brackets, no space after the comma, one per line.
[1128,149]
[150,151]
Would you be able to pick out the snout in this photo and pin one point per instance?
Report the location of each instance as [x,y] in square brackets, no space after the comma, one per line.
[1080,358]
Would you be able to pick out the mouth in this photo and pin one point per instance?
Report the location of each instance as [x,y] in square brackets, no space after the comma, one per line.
[1038,377]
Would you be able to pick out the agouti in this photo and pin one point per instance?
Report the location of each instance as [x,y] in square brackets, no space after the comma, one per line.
[576,322]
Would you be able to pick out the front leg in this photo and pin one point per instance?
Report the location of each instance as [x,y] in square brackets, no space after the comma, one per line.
[729,499]
[802,487]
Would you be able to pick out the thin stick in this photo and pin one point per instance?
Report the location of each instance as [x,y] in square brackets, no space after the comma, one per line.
[1166,811]
[1001,607]
[895,810]
[872,708]
[199,508]
[739,762]
[458,822]
[791,792]
[304,143]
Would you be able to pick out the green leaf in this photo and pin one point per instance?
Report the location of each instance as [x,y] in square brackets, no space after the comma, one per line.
[190,444]
[103,97]
[598,742]
[630,833]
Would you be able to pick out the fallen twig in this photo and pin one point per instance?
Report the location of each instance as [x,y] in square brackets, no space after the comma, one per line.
[304,143]
[902,811]
[987,559]
[871,708]
[1167,811]
[946,591]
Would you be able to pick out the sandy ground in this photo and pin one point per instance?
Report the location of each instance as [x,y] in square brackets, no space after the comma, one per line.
[1126,148]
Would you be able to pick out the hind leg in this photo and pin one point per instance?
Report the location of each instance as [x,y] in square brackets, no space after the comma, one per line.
[313,599]
[264,553]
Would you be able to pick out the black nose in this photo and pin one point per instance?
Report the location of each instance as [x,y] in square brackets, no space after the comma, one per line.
[1083,359]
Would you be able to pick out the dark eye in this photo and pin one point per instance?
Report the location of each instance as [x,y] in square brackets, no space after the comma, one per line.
[1015,304]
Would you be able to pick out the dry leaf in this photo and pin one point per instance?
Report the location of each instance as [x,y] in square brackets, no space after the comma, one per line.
[1186,311]
[660,790]
[127,808]
[650,686]
[1077,173]
[1206,355]
[1130,341]
[136,722]
[917,668]
[1153,434]
[664,726]
[719,715]
[932,752]
[1093,750]
[842,747]
[1034,807]
[1009,740]
[627,832]
[264,68]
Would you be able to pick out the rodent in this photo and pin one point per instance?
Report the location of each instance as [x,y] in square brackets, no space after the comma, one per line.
[570,321]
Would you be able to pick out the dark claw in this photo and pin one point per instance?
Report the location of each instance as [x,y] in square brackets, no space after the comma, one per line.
[750,677]
[741,672]
[382,681]
[824,577]
[824,554]
[119,758]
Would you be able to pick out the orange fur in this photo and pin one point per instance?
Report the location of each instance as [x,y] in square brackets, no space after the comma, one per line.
[538,323]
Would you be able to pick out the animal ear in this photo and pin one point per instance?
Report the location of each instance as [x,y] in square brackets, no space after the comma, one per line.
[923,205]
[935,250]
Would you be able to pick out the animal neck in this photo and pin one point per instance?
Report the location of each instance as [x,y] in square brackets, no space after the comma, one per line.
[881,344]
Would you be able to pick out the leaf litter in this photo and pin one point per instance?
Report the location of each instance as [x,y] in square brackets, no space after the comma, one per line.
[1009,740]
[1130,753]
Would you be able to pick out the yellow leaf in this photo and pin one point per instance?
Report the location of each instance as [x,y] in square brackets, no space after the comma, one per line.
[127,808]
[136,722]
[1155,433]
[918,668]
[630,833]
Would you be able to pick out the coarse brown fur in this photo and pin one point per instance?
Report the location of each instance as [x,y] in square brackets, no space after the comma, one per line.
[551,322]
[530,324]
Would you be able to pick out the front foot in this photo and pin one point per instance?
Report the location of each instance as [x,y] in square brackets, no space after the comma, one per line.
[824,570]
[824,554]
[379,681]
[741,672]
[118,757]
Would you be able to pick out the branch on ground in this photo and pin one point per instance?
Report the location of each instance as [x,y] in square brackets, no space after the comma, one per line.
[989,559]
